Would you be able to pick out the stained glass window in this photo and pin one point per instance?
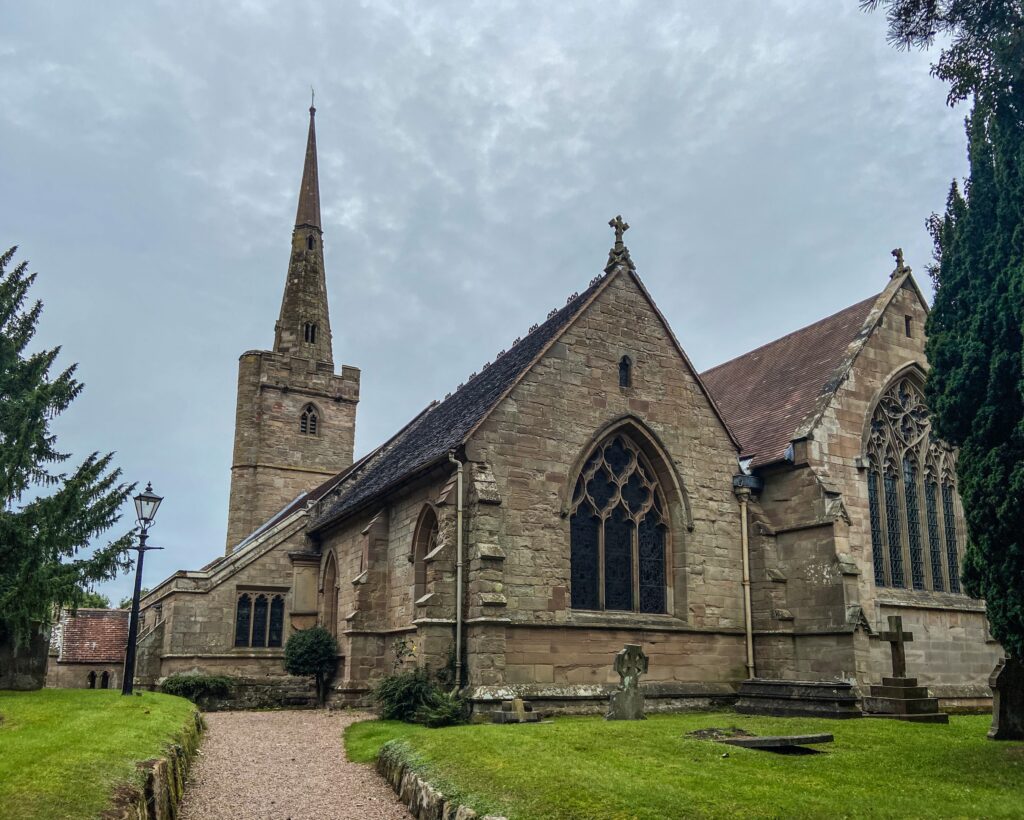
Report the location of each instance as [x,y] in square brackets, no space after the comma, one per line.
[259,621]
[934,536]
[243,619]
[892,521]
[900,437]
[276,621]
[618,532]
[877,547]
[949,516]
[913,524]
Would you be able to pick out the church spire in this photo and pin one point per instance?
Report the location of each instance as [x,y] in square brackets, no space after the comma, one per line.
[303,329]
[308,213]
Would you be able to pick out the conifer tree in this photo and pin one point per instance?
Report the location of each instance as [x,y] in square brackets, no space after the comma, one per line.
[976,349]
[47,518]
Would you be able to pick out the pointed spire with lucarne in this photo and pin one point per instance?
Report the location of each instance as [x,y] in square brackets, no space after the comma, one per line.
[304,327]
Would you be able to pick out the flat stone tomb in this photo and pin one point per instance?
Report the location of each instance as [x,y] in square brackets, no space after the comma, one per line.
[899,697]
[776,742]
[794,698]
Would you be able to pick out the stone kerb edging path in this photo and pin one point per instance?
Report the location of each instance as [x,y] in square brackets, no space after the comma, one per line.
[163,783]
[424,801]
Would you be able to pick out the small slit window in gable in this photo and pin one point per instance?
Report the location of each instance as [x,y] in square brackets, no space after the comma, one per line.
[309,332]
[625,372]
[906,326]
[308,421]
[310,243]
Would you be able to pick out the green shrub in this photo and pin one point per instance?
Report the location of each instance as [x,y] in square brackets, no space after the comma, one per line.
[195,687]
[443,709]
[312,651]
[414,697]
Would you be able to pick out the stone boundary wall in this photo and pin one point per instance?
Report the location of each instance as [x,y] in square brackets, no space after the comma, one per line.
[163,781]
[425,802]
[260,693]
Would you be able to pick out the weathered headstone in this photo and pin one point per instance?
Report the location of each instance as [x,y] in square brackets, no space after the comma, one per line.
[627,702]
[515,711]
[1007,682]
[896,637]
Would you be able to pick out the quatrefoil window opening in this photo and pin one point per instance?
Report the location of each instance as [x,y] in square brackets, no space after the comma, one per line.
[915,521]
[618,532]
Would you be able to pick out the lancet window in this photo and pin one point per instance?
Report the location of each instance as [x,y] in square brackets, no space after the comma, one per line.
[915,517]
[259,620]
[618,532]
[309,421]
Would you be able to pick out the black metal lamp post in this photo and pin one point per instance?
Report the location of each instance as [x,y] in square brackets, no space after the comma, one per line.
[146,505]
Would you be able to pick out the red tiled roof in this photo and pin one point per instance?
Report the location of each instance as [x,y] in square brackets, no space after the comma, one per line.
[766,394]
[94,636]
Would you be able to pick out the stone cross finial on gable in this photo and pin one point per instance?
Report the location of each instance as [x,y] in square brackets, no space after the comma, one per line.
[619,254]
[896,637]
[901,268]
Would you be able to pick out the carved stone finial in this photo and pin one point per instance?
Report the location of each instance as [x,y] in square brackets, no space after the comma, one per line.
[900,268]
[619,254]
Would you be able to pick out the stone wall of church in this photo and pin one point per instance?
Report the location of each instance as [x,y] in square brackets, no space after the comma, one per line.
[953,651]
[199,631]
[273,461]
[520,568]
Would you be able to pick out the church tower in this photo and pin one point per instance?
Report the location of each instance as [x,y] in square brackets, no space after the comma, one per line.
[295,418]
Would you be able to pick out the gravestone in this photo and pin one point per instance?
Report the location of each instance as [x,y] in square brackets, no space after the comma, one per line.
[1007,682]
[899,697]
[515,711]
[627,702]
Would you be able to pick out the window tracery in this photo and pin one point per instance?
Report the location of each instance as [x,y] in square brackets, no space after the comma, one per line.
[259,620]
[309,421]
[909,470]
[618,532]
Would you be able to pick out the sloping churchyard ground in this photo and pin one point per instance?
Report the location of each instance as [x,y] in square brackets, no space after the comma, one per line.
[651,769]
[64,752]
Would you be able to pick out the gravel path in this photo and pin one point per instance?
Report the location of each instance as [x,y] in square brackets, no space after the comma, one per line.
[284,765]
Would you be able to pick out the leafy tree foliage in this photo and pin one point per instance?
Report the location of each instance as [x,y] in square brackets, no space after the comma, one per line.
[126,601]
[312,651]
[95,600]
[985,51]
[47,518]
[976,348]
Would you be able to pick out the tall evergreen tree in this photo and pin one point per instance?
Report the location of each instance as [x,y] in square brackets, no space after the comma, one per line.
[47,519]
[976,348]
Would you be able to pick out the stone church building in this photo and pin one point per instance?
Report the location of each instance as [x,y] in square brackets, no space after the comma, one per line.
[586,489]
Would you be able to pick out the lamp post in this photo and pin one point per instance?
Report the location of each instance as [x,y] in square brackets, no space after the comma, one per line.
[146,505]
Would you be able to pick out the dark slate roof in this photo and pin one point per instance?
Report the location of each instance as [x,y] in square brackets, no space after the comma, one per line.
[766,394]
[445,426]
[94,636]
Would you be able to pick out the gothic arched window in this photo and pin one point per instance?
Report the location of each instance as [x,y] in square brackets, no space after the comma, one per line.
[625,372]
[309,333]
[330,590]
[105,680]
[423,543]
[618,532]
[914,511]
[309,421]
[310,243]
[243,620]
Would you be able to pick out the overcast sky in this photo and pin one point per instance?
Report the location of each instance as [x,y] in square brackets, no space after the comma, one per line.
[768,156]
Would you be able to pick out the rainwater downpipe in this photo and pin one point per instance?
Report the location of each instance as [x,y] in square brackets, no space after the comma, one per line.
[742,486]
[458,569]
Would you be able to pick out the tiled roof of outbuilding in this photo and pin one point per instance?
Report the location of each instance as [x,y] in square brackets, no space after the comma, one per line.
[445,426]
[94,636]
[766,394]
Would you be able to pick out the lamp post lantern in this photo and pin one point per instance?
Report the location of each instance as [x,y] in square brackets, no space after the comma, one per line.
[146,505]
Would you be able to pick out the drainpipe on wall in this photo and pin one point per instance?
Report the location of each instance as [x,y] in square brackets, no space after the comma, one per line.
[458,569]
[742,485]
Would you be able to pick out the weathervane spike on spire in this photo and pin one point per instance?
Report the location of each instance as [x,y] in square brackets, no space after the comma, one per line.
[619,254]
[312,100]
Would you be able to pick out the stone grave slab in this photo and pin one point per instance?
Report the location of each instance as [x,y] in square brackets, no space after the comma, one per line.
[515,711]
[794,698]
[778,741]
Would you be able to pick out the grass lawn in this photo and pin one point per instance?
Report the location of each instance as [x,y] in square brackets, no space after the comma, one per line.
[590,768]
[62,751]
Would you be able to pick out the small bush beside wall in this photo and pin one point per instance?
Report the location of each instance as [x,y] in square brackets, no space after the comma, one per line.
[414,697]
[196,687]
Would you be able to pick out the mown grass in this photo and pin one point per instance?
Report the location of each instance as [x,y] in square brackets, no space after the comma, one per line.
[63,751]
[576,768]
